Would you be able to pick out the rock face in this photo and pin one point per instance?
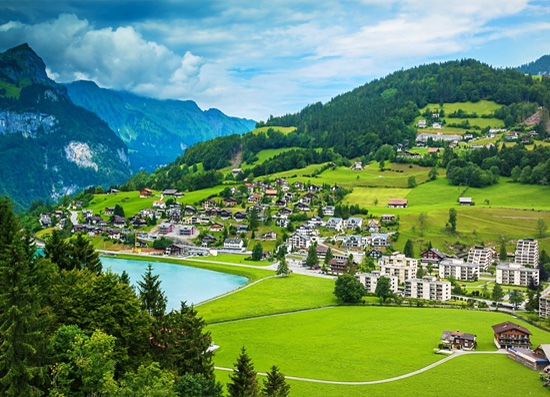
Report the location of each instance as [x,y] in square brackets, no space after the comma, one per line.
[48,145]
[155,131]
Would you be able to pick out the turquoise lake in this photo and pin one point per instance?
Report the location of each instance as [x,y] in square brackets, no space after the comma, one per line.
[180,283]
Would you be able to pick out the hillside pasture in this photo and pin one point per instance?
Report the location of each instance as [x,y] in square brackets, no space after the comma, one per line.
[283,130]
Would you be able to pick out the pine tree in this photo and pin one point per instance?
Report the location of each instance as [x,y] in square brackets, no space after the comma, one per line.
[408,250]
[275,384]
[312,258]
[282,269]
[83,255]
[243,379]
[452,219]
[502,254]
[257,252]
[328,256]
[151,295]
[124,277]
[253,221]
[57,250]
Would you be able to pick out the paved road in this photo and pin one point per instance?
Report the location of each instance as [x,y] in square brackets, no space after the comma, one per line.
[374,382]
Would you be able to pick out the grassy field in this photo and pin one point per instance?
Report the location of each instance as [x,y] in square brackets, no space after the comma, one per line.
[467,376]
[275,295]
[353,343]
[284,130]
[231,258]
[481,108]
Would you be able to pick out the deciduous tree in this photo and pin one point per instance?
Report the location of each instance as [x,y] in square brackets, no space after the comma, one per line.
[383,289]
[348,289]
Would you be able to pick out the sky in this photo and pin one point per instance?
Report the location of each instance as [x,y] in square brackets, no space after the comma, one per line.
[259,58]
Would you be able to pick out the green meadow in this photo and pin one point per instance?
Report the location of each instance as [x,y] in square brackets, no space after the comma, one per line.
[481,108]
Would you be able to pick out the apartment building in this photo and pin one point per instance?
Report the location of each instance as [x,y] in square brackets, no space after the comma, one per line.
[459,269]
[398,265]
[370,281]
[527,252]
[480,256]
[516,274]
[429,288]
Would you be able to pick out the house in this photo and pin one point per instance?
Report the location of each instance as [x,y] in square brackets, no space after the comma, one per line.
[187,230]
[305,230]
[429,288]
[374,253]
[249,187]
[230,202]
[352,242]
[159,204]
[397,203]
[315,221]
[254,198]
[302,207]
[175,249]
[465,201]
[456,340]
[335,224]
[433,150]
[109,211]
[458,269]
[527,252]
[328,210]
[233,244]
[358,166]
[119,221]
[242,228]
[421,124]
[225,214]
[145,193]
[387,218]
[280,203]
[379,240]
[236,171]
[284,212]
[86,214]
[212,212]
[298,241]
[208,239]
[481,256]
[139,222]
[170,193]
[370,281]
[353,223]
[165,228]
[432,256]
[93,220]
[45,220]
[373,226]
[271,193]
[436,125]
[282,222]
[337,265]
[239,216]
[315,188]
[537,359]
[509,334]
[208,204]
[189,210]
[269,236]
[516,274]
[216,227]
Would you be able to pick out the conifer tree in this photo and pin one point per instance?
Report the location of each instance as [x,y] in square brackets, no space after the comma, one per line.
[83,255]
[312,258]
[57,250]
[275,384]
[152,298]
[408,250]
[282,269]
[243,379]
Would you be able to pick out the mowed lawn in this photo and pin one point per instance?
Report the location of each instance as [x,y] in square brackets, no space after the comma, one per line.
[274,295]
[353,343]
[466,376]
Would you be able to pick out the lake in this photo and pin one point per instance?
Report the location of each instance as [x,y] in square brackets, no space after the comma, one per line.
[180,283]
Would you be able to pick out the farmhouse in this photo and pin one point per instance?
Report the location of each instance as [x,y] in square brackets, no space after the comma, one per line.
[516,274]
[465,201]
[456,340]
[537,359]
[171,193]
[397,203]
[527,252]
[509,334]
[458,269]
[370,281]
[429,288]
[145,193]
[358,166]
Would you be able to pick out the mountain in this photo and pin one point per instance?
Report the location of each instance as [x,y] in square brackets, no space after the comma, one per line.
[540,67]
[155,131]
[49,146]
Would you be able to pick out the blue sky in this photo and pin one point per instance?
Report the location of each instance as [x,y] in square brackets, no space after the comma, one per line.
[256,58]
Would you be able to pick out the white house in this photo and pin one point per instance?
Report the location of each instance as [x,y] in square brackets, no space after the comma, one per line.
[335,224]
[233,244]
[328,210]
[353,223]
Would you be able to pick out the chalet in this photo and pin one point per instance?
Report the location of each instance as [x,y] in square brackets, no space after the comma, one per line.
[373,226]
[139,222]
[236,171]
[208,239]
[380,240]
[358,166]
[280,203]
[58,214]
[119,221]
[189,210]
[239,216]
[159,204]
[230,202]
[511,335]
[298,241]
[216,227]
[456,340]
[437,125]
[421,124]
[259,184]
[93,220]
[254,198]
[315,188]
[165,228]
[407,154]
[249,187]
[103,223]
[282,222]
[113,191]
[284,212]
[328,210]
[335,224]
[271,193]
[212,212]
[433,255]
[321,252]
[171,193]
[109,211]
[175,249]
[45,219]
[337,265]
[145,193]
[298,185]
[315,222]
[374,253]
[353,223]
[397,203]
[289,196]
[305,230]
[353,242]
[86,213]
[281,182]
[233,244]
[259,209]
[242,228]
[225,214]
[77,204]
[269,236]
[208,204]
[387,218]
[465,201]
[114,234]
[536,360]
[302,207]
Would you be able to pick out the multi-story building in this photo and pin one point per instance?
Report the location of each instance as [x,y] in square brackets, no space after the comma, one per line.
[544,303]
[428,287]
[370,281]
[458,269]
[480,256]
[527,252]
[298,241]
[516,274]
[511,335]
[398,265]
